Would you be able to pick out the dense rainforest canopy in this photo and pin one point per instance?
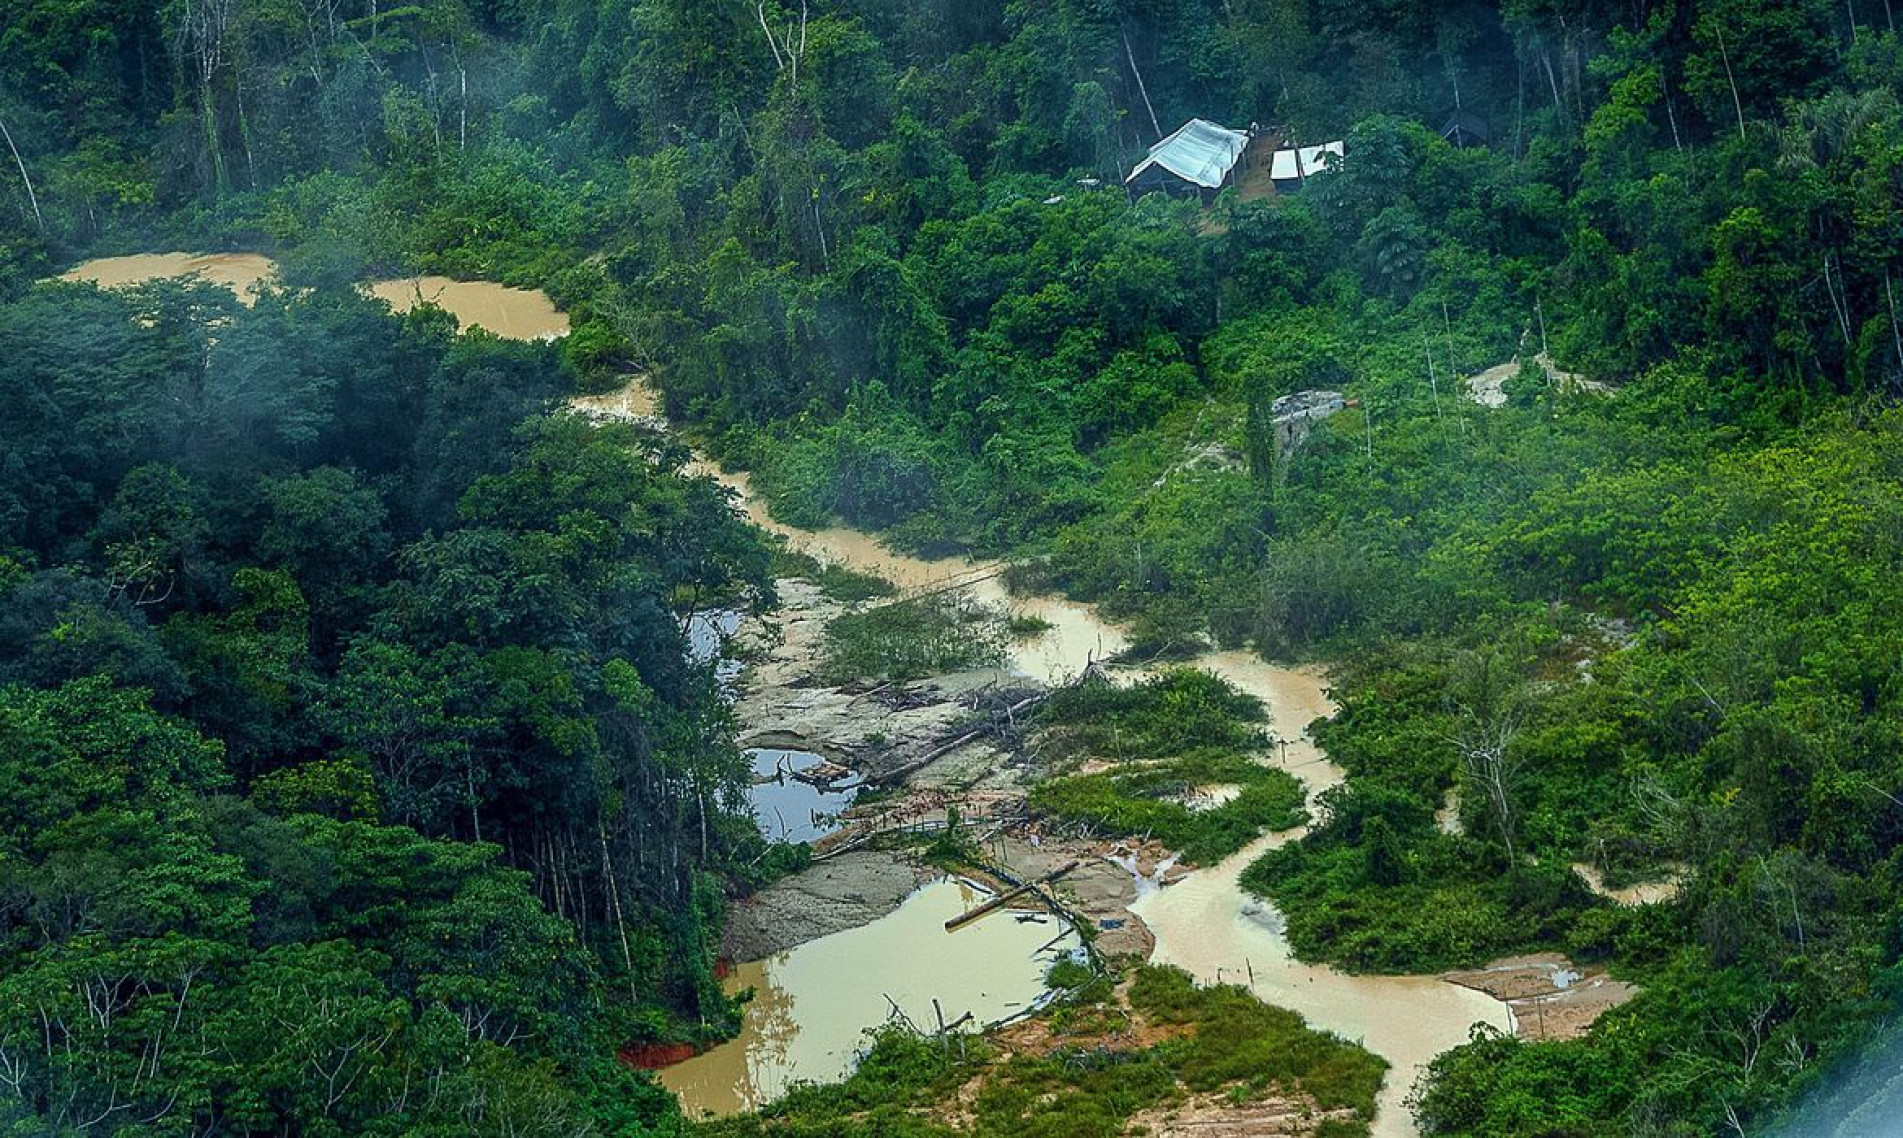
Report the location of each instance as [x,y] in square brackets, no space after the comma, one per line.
[354,771]
[379,660]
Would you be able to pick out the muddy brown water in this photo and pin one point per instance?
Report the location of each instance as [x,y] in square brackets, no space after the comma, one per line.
[1075,637]
[813,1004]
[512,313]
[1205,924]
[239,272]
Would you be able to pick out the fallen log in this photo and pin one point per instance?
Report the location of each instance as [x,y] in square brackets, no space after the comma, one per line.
[899,774]
[1003,899]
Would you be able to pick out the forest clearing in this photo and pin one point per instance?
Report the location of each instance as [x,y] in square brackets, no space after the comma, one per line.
[1050,569]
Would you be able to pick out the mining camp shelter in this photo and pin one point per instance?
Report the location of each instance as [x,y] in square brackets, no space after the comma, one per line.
[1291,168]
[1464,128]
[1198,158]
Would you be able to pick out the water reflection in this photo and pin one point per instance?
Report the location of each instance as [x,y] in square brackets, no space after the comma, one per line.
[812,1005]
[796,796]
[707,636]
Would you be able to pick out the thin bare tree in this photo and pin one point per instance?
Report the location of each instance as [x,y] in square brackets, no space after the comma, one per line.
[31,198]
[1489,700]
[787,48]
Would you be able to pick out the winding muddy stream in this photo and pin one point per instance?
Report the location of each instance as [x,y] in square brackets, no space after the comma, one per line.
[1076,635]
[813,1003]
[1205,923]
[1208,926]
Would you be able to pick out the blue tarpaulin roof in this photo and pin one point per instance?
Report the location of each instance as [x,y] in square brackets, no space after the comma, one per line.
[1199,152]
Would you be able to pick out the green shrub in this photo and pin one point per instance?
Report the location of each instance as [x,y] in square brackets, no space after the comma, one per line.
[1146,801]
[911,639]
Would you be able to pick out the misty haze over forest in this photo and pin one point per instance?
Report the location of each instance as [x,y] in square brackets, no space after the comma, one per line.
[1349,550]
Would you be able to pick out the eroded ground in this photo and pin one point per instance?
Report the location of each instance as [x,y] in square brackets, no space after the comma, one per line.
[1551,997]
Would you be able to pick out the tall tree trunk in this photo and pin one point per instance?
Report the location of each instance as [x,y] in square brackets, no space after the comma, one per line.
[244,135]
[620,918]
[208,111]
[32,199]
[1896,330]
[1737,105]
[1671,116]
[1142,89]
[1552,81]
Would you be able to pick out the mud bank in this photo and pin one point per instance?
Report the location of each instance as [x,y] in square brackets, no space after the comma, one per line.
[1551,997]
[856,888]
[781,702]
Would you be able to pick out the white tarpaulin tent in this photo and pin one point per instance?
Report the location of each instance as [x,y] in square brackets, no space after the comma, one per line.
[1313,160]
[1200,153]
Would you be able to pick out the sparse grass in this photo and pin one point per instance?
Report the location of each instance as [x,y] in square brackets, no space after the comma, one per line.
[1180,710]
[842,583]
[1239,1039]
[850,586]
[912,639]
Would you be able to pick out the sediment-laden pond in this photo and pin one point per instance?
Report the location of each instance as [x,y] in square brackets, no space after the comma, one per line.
[512,313]
[813,1004]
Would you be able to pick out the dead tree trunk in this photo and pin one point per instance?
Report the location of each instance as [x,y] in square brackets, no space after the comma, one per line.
[1737,105]
[31,198]
[1142,89]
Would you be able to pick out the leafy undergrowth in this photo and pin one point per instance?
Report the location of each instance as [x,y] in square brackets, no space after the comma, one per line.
[912,639]
[1149,800]
[1169,738]
[1423,903]
[1168,714]
[1378,886]
[1086,1067]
